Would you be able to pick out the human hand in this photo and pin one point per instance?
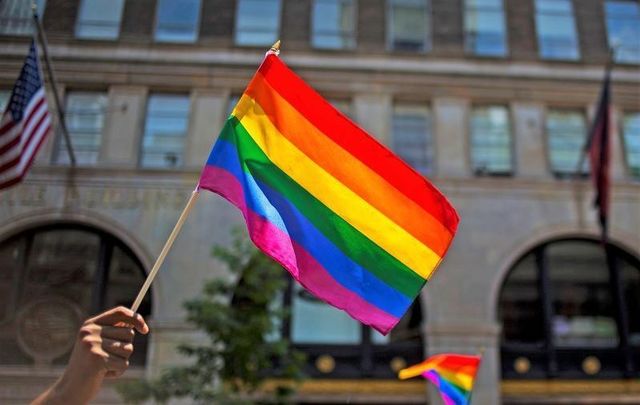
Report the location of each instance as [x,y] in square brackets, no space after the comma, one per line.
[102,349]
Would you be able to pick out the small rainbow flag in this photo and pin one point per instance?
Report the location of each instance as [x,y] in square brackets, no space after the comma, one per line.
[453,374]
[355,225]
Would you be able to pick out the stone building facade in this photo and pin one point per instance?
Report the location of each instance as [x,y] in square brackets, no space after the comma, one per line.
[463,69]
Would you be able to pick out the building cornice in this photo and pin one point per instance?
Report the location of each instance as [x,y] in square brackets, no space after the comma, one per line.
[348,62]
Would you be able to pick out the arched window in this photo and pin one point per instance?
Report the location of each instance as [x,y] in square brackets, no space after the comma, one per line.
[569,310]
[338,346]
[51,279]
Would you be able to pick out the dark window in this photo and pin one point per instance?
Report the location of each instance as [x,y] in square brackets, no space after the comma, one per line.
[570,310]
[54,277]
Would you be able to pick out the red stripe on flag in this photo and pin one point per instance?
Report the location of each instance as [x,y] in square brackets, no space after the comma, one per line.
[357,142]
[31,136]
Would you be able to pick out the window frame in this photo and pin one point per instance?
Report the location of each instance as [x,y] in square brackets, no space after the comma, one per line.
[41,10]
[94,37]
[108,244]
[156,24]
[141,150]
[59,141]
[364,359]
[510,137]
[471,51]
[278,30]
[312,29]
[576,38]
[430,153]
[561,175]
[428,32]
[633,172]
[608,35]
[548,360]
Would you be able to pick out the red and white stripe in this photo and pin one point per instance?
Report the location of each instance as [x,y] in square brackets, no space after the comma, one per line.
[20,141]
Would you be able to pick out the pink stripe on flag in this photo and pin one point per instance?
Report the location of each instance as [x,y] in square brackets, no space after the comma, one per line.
[292,256]
[435,379]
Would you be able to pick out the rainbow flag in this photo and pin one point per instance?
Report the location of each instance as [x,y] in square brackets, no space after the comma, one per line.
[453,374]
[355,225]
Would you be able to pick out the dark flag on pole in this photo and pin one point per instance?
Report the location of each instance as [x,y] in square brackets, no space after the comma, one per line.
[599,149]
[25,122]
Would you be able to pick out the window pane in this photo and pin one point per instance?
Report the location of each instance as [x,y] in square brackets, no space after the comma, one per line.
[257,22]
[99,19]
[165,131]
[16,16]
[520,304]
[85,114]
[566,134]
[631,132]
[411,137]
[490,140]
[623,29]
[485,27]
[333,25]
[583,308]
[4,98]
[408,22]
[313,321]
[177,21]
[65,259]
[556,29]
[630,276]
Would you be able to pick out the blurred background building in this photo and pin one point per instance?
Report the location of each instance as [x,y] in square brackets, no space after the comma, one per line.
[490,99]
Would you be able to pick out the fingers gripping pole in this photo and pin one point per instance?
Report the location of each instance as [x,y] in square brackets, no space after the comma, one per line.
[165,250]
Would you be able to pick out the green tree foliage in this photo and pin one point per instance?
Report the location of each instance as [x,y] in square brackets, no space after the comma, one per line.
[244,347]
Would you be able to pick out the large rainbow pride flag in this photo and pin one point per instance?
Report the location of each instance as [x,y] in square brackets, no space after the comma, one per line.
[453,374]
[355,225]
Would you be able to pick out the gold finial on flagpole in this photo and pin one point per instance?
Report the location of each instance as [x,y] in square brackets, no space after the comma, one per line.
[275,48]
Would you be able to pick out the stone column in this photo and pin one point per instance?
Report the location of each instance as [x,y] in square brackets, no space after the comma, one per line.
[373,113]
[124,125]
[529,140]
[208,113]
[450,137]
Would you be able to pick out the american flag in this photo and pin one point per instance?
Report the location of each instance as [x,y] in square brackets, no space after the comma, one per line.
[25,122]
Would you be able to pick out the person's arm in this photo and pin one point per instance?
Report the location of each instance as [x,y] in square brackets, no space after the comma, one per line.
[102,350]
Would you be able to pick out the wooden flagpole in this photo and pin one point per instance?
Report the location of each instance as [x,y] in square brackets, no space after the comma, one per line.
[52,79]
[167,246]
[275,48]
